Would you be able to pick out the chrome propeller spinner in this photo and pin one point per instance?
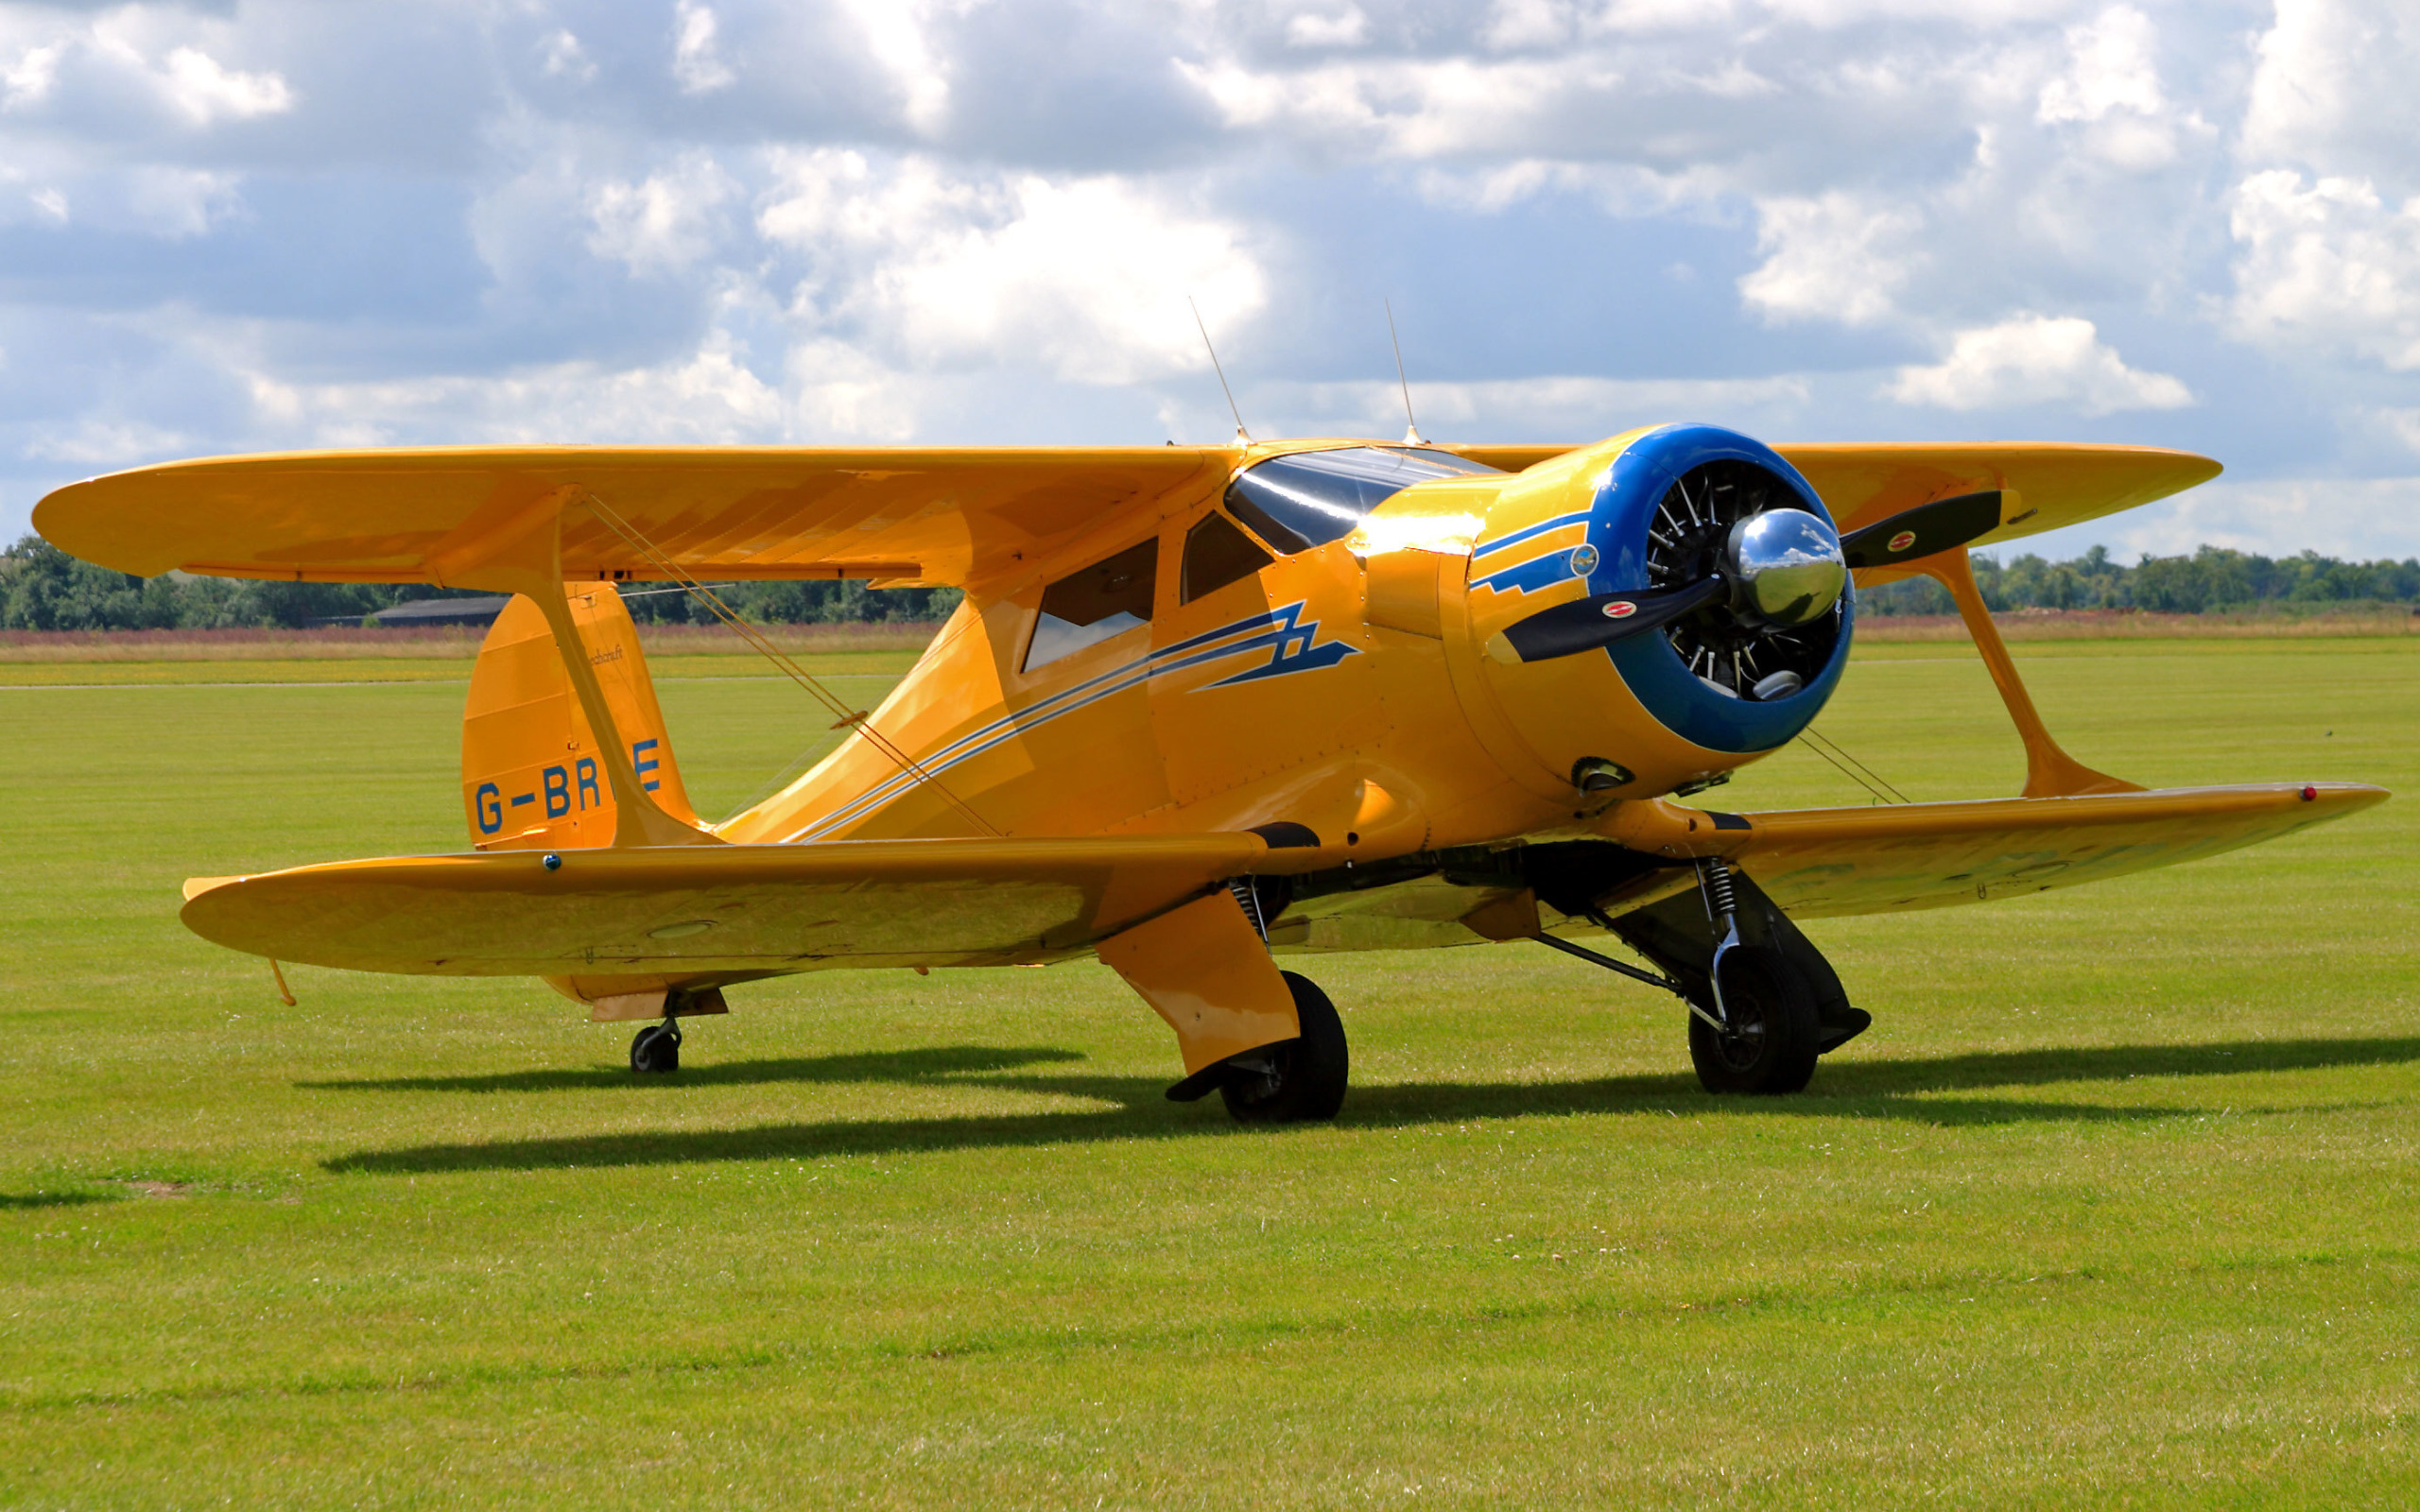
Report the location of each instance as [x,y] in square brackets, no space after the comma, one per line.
[1784,567]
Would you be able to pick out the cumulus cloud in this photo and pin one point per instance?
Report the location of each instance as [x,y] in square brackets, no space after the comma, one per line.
[954,220]
[2111,91]
[2035,360]
[894,35]
[704,397]
[1086,276]
[562,56]
[2403,424]
[1341,29]
[2332,92]
[1835,257]
[1562,404]
[2349,517]
[2328,264]
[666,222]
[204,90]
[27,80]
[697,61]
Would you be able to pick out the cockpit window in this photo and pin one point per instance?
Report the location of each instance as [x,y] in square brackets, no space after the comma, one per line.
[1086,608]
[1307,499]
[1217,554]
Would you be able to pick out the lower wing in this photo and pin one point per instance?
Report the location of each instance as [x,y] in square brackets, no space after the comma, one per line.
[1816,862]
[719,911]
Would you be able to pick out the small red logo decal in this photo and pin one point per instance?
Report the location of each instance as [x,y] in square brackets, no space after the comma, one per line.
[1621,608]
[1902,542]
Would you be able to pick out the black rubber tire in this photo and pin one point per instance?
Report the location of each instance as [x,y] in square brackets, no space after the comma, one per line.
[656,1048]
[1771,1052]
[1307,1079]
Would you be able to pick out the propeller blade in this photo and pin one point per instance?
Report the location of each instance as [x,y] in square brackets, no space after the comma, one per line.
[1598,620]
[1941,525]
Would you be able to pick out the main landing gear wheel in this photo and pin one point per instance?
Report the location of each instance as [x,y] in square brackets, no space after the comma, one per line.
[657,1047]
[1770,1047]
[1299,1081]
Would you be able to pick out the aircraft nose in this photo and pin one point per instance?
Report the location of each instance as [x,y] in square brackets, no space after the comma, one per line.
[1785,566]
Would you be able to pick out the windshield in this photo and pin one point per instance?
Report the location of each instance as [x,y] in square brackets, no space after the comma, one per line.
[1306,499]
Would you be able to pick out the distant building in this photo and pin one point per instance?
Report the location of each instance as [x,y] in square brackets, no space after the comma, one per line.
[420,612]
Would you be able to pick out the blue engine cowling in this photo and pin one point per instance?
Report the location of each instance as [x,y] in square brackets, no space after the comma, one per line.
[1657,514]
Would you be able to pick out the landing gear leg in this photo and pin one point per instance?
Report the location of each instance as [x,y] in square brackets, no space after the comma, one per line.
[657,1047]
[1295,1081]
[1763,1001]
[1765,1036]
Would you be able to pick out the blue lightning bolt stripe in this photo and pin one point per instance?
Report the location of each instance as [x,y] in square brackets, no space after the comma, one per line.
[1281,632]
[1531,573]
[1578,517]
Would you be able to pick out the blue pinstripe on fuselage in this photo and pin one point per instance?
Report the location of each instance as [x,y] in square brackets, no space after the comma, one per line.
[1292,641]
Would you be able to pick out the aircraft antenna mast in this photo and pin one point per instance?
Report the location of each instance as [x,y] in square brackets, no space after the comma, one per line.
[1244,438]
[1411,436]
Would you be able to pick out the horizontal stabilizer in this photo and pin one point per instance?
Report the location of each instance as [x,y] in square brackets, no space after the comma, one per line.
[1819,863]
[709,911]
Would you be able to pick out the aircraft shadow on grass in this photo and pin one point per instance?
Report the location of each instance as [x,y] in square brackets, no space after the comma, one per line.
[1908,1090]
[31,1201]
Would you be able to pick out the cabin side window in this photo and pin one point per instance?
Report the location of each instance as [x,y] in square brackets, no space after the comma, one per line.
[1217,554]
[1086,608]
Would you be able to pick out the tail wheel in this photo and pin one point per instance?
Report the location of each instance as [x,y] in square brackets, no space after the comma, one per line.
[1297,1081]
[657,1048]
[1774,1037]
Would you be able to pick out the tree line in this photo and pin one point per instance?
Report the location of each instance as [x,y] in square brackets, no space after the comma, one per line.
[42,588]
[2212,579]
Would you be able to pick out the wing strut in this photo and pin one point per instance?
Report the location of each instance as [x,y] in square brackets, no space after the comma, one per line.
[637,541]
[2049,771]
[523,553]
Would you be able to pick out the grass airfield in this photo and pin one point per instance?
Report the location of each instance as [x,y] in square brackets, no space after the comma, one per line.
[2118,1202]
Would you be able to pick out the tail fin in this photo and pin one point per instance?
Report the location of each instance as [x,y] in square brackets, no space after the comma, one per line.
[531,779]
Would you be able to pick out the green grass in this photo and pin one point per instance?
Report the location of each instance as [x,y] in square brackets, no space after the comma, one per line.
[2116,1204]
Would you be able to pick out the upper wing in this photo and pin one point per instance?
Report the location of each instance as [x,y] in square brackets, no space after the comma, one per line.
[2057,484]
[897,514]
[1816,862]
[720,910]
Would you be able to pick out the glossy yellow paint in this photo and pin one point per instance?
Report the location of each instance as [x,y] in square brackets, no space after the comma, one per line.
[1201,968]
[717,913]
[1340,702]
[1822,862]
[428,514]
[532,770]
[2061,483]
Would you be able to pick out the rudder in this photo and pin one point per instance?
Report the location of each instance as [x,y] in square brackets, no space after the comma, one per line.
[532,773]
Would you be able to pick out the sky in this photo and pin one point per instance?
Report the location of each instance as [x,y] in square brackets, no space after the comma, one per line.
[231,227]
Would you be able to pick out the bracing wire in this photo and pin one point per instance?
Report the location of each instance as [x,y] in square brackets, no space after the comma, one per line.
[1878,794]
[636,540]
[1855,770]
[1869,771]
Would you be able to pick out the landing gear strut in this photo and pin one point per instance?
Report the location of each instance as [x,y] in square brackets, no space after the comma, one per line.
[1765,1036]
[1763,1001]
[657,1047]
[1295,1081]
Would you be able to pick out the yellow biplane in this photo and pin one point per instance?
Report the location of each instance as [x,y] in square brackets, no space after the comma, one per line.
[1201,708]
